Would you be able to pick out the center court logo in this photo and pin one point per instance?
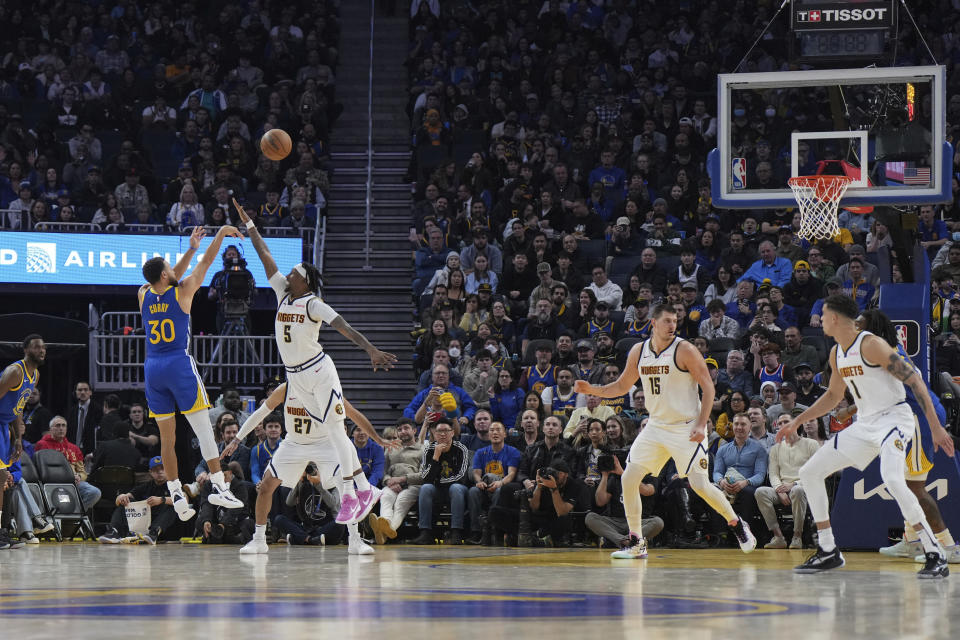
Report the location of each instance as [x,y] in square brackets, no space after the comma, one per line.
[41,257]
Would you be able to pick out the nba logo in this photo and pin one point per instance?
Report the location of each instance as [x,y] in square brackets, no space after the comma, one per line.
[41,257]
[739,173]
[902,336]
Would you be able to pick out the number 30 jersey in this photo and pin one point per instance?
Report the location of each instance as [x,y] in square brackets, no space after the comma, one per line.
[670,393]
[165,323]
[298,323]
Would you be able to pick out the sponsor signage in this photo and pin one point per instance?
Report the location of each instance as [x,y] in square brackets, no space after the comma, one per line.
[815,16]
[116,259]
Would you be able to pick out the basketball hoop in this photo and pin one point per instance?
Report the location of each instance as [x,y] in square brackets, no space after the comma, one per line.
[818,198]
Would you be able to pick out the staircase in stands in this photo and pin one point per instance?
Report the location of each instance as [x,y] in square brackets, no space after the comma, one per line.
[376,300]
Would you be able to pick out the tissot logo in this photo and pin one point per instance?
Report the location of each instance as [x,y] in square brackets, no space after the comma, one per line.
[842,15]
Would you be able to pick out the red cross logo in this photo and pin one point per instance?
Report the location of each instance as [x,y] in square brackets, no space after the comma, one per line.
[814,16]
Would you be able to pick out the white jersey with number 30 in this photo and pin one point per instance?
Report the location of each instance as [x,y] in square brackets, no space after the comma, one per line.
[670,393]
[873,388]
[297,324]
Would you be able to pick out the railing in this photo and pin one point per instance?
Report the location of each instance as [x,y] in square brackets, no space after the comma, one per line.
[118,348]
[82,227]
[366,247]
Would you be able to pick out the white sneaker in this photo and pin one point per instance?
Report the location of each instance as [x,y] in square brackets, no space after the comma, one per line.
[748,542]
[796,543]
[952,554]
[29,538]
[223,497]
[904,549]
[634,549]
[357,547]
[778,542]
[182,507]
[257,545]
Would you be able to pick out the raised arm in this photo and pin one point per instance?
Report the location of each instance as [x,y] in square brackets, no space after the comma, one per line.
[878,351]
[269,266]
[184,262]
[824,403]
[621,385]
[193,281]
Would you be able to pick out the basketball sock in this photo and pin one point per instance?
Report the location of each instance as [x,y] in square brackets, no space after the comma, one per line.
[348,489]
[260,531]
[825,539]
[174,486]
[361,481]
[927,539]
[909,533]
[945,539]
[217,480]
[632,505]
[353,530]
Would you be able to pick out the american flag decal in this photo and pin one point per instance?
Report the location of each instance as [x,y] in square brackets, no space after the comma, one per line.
[916,175]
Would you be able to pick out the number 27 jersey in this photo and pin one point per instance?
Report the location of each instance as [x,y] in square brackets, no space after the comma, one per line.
[671,394]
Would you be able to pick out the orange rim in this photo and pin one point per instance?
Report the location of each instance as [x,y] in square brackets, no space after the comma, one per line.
[826,187]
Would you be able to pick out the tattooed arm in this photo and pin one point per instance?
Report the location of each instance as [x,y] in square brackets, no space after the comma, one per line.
[876,350]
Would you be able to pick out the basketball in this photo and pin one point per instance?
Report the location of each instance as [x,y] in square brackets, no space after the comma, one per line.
[276,144]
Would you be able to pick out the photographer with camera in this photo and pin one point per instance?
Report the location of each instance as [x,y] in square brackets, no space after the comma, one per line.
[611,526]
[233,287]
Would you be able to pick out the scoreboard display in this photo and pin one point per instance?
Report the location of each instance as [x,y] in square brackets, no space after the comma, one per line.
[850,31]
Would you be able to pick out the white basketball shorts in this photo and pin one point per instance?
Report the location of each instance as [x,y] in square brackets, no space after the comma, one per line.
[887,433]
[658,443]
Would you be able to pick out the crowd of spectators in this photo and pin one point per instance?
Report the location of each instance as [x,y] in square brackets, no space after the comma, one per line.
[558,165]
[133,113]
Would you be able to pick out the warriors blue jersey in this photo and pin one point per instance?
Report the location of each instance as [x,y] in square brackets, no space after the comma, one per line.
[167,325]
[11,407]
[920,451]
[171,378]
[593,327]
[537,381]
[638,329]
[559,406]
[776,377]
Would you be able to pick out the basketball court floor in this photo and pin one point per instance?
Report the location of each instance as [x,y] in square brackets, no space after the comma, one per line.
[85,591]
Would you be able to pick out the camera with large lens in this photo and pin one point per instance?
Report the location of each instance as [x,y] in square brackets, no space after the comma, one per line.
[548,472]
[236,294]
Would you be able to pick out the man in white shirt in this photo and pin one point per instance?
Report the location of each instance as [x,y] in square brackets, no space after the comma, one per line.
[783,467]
[605,290]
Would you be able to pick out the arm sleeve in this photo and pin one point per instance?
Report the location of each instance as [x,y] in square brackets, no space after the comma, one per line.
[318,309]
[278,282]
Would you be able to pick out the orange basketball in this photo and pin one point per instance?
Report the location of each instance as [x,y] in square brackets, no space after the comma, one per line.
[276,144]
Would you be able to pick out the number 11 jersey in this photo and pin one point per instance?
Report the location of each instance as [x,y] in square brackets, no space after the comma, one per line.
[670,393]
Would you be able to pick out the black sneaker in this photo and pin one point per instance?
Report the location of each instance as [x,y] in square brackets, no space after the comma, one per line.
[475,538]
[821,561]
[934,567]
[456,537]
[6,542]
[425,537]
[110,536]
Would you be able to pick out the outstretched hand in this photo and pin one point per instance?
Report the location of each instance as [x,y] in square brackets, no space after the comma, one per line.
[244,218]
[943,440]
[229,449]
[382,360]
[230,230]
[198,234]
[791,427]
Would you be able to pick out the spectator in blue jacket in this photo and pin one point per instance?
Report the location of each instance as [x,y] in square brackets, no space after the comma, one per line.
[740,467]
[769,267]
[857,286]
[429,399]
[430,258]
[261,454]
[370,455]
[506,399]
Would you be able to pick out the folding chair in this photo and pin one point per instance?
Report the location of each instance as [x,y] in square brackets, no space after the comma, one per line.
[61,495]
[30,476]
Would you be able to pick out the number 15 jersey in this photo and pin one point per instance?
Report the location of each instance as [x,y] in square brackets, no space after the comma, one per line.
[670,393]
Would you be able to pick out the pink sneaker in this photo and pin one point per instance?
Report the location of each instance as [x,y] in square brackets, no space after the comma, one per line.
[348,506]
[367,499]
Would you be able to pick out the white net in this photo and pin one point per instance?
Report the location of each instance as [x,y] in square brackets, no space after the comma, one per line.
[818,198]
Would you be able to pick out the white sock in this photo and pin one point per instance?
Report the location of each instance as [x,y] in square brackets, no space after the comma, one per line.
[945,538]
[928,540]
[825,539]
[354,531]
[260,531]
[361,481]
[348,487]
[174,487]
[909,533]
[217,480]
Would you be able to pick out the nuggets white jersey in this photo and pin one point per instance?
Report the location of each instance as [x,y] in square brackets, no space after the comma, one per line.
[671,394]
[301,427]
[873,388]
[297,324]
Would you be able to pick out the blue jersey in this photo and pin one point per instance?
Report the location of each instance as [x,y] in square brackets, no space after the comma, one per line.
[12,403]
[167,325]
[776,377]
[537,381]
[11,407]
[920,458]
